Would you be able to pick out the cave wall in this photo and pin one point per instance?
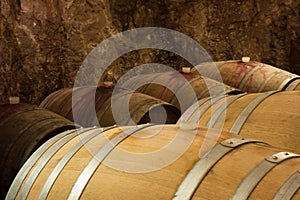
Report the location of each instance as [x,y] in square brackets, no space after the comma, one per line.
[44,42]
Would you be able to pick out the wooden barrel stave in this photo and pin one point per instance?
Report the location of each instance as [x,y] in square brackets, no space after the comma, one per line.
[80,104]
[60,101]
[260,75]
[84,109]
[277,79]
[274,119]
[240,104]
[49,99]
[233,74]
[173,85]
[203,88]
[159,85]
[140,105]
[66,105]
[170,82]
[221,181]
[55,100]
[62,104]
[231,174]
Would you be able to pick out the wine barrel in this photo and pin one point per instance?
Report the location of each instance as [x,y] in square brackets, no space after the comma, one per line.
[272,116]
[179,89]
[247,76]
[295,85]
[60,102]
[142,109]
[156,162]
[23,129]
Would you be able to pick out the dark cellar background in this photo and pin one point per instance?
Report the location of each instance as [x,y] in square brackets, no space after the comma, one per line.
[44,42]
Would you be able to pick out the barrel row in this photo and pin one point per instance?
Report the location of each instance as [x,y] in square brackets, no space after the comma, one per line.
[172,90]
[272,116]
[249,76]
[38,125]
[93,106]
[157,162]
[144,109]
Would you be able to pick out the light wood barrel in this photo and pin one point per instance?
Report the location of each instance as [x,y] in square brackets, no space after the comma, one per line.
[247,76]
[272,116]
[179,89]
[23,129]
[85,165]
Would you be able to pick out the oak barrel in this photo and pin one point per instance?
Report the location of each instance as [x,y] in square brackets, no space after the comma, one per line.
[23,128]
[272,116]
[61,102]
[179,89]
[142,109]
[156,162]
[249,76]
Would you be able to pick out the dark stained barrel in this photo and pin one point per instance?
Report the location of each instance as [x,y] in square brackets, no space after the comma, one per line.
[272,116]
[249,76]
[151,162]
[23,128]
[179,89]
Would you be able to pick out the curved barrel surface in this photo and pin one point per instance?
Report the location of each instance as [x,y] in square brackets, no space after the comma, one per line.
[272,116]
[22,131]
[248,76]
[179,89]
[85,165]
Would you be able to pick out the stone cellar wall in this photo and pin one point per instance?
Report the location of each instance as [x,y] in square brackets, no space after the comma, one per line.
[44,42]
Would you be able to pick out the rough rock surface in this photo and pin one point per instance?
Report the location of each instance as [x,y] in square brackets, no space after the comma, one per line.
[43,43]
